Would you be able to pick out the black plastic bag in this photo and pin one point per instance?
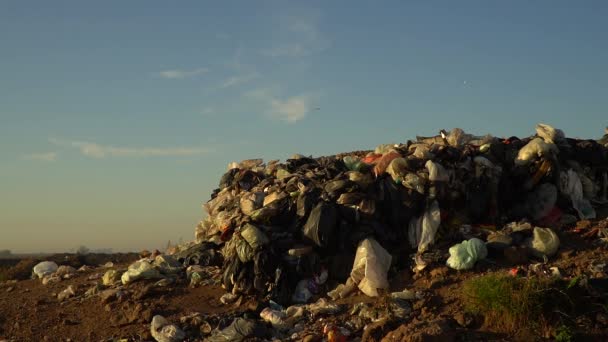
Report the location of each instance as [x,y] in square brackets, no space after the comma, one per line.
[321,223]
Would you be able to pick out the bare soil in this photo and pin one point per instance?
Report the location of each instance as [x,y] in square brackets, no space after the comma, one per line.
[30,311]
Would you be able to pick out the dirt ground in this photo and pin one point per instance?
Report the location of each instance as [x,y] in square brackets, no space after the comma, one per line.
[30,311]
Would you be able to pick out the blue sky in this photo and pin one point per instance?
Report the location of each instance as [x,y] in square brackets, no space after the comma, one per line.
[117,118]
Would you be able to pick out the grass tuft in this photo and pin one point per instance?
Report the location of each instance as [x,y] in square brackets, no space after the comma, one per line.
[508,304]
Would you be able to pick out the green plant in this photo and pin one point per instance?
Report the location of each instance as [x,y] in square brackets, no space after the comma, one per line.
[508,304]
[573,282]
[563,334]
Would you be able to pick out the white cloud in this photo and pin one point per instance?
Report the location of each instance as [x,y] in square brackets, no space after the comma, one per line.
[237,80]
[290,109]
[95,150]
[302,36]
[47,157]
[181,74]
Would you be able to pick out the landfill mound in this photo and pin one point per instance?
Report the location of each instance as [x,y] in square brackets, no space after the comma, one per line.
[283,229]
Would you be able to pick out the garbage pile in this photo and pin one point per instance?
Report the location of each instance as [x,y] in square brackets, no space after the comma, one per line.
[279,230]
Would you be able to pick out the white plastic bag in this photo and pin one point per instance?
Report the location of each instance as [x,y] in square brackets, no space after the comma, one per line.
[437,172]
[301,294]
[163,331]
[550,134]
[465,254]
[571,185]
[139,270]
[422,230]
[370,269]
[537,147]
[45,268]
[544,242]
[397,169]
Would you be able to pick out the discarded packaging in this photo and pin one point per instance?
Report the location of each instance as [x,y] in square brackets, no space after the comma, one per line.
[465,254]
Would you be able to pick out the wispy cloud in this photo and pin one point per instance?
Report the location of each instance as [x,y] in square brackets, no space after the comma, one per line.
[207,111]
[181,74]
[290,109]
[94,150]
[302,36]
[238,80]
[46,157]
[287,50]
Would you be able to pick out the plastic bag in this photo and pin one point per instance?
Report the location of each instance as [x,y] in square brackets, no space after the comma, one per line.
[274,317]
[302,294]
[540,202]
[250,163]
[457,137]
[139,270]
[167,264]
[363,180]
[163,331]
[244,251]
[437,173]
[110,278]
[352,163]
[414,182]
[422,230]
[570,184]
[65,271]
[422,152]
[383,163]
[45,268]
[219,203]
[397,169]
[543,242]
[351,198]
[251,202]
[465,254]
[384,148]
[254,236]
[321,223]
[275,196]
[239,330]
[370,269]
[550,134]
[371,158]
[537,147]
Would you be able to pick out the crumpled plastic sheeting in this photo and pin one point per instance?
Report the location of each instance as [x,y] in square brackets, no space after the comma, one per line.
[544,242]
[571,185]
[464,255]
[437,172]
[45,268]
[549,134]
[163,331]
[540,202]
[536,148]
[370,269]
[422,230]
[140,270]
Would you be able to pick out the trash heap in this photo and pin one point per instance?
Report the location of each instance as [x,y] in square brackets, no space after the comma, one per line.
[279,230]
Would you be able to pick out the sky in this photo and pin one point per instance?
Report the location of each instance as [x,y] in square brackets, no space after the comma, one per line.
[118,118]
